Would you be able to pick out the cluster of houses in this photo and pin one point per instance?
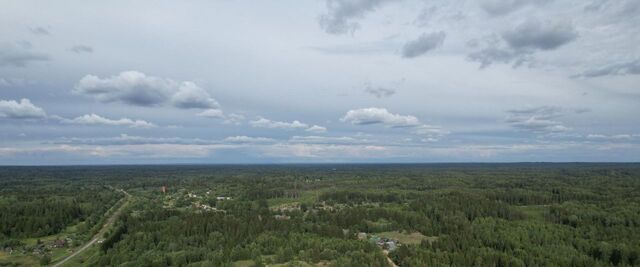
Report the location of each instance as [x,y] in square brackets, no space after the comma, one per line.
[382,242]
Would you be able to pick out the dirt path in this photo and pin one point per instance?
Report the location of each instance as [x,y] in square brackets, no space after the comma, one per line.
[98,236]
[386,254]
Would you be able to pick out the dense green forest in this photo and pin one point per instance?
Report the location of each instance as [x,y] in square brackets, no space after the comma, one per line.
[327,215]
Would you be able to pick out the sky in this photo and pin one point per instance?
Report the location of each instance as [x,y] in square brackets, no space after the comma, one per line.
[319,81]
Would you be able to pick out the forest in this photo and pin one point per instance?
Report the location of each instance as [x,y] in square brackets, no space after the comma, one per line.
[521,214]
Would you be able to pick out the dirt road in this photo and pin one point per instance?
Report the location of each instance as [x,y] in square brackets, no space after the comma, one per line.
[98,236]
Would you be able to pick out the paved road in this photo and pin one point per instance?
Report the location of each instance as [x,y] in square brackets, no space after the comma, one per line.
[98,236]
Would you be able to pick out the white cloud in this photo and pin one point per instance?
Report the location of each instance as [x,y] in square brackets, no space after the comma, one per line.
[247,139]
[20,110]
[93,119]
[316,129]
[374,115]
[294,125]
[366,116]
[212,113]
[190,95]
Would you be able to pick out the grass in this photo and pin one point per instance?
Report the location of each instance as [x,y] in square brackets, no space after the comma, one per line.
[409,239]
[282,202]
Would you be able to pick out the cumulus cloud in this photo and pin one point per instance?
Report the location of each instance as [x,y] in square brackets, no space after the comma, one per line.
[518,44]
[266,123]
[503,7]
[138,89]
[341,14]
[374,115]
[317,129]
[631,67]
[367,116]
[423,44]
[79,49]
[12,54]
[20,110]
[190,95]
[294,125]
[93,119]
[538,119]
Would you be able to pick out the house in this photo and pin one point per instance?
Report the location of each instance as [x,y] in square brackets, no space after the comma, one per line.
[59,243]
[223,198]
[282,217]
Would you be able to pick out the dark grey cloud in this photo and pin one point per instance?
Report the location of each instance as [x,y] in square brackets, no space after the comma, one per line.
[39,31]
[423,44]
[79,49]
[22,109]
[631,67]
[138,89]
[541,119]
[379,92]
[19,55]
[536,35]
[503,7]
[341,14]
[518,45]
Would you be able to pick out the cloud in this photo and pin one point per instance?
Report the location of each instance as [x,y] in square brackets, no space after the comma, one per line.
[342,13]
[615,137]
[212,113]
[79,49]
[20,110]
[423,44]
[129,87]
[520,43]
[39,31]
[266,123]
[190,95]
[294,125]
[365,116]
[93,119]
[138,89]
[533,34]
[314,139]
[631,67]
[379,92]
[503,7]
[317,129]
[234,119]
[15,55]
[242,139]
[538,119]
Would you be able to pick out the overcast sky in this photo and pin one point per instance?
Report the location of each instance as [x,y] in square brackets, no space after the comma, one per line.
[111,82]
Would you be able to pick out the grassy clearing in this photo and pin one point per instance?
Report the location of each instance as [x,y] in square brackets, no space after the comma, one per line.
[409,239]
[305,197]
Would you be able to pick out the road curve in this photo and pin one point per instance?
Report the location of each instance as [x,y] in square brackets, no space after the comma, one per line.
[97,236]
